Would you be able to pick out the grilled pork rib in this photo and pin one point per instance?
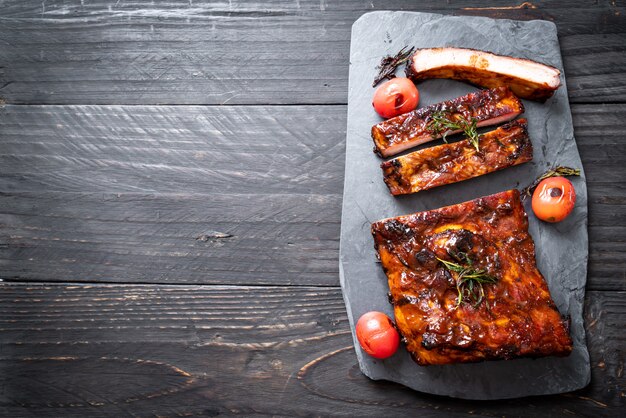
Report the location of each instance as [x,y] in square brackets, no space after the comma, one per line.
[528,79]
[506,146]
[487,107]
[515,315]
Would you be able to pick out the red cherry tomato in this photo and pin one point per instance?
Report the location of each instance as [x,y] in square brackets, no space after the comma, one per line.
[554,199]
[377,335]
[395,97]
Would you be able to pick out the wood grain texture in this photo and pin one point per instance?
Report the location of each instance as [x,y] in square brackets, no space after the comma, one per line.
[218,195]
[235,351]
[192,194]
[175,238]
[161,149]
[244,195]
[601,145]
[236,52]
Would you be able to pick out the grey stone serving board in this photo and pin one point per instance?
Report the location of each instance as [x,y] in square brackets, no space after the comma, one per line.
[561,249]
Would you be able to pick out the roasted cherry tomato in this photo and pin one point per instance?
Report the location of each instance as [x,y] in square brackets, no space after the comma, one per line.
[377,335]
[554,199]
[395,97]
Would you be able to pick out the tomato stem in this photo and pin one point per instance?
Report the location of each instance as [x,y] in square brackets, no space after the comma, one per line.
[560,171]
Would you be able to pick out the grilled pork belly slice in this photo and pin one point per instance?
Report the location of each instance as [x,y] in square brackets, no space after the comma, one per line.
[528,79]
[446,314]
[487,107]
[506,146]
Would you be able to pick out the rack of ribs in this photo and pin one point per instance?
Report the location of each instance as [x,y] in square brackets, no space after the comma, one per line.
[503,147]
[433,261]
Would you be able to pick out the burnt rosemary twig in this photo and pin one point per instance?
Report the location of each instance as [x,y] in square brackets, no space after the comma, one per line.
[441,124]
[469,281]
[561,171]
[388,65]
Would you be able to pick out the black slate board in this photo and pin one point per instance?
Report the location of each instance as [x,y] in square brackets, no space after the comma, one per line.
[561,249]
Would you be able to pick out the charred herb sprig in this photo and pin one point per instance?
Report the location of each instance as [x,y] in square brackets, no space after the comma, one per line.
[560,171]
[387,67]
[469,281]
[441,123]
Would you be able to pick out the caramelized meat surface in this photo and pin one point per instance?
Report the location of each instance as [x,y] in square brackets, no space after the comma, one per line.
[445,319]
[506,146]
[487,107]
[528,79]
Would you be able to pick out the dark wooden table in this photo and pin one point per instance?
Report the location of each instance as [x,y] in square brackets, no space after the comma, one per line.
[171,178]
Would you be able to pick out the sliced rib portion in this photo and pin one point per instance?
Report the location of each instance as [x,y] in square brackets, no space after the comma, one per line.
[528,79]
[506,146]
[487,107]
[445,319]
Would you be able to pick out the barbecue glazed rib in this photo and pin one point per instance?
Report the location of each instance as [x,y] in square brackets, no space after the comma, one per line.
[488,107]
[528,79]
[510,315]
[506,146]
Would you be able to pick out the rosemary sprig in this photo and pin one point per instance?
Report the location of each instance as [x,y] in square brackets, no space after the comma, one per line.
[441,124]
[469,281]
[388,65]
[554,172]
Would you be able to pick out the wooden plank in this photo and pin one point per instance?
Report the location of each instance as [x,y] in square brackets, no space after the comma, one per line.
[173,149]
[233,195]
[226,239]
[589,62]
[601,144]
[149,350]
[235,52]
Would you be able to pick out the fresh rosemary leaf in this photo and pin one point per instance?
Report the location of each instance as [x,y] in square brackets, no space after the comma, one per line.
[469,281]
[472,135]
[442,123]
[451,266]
